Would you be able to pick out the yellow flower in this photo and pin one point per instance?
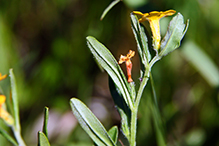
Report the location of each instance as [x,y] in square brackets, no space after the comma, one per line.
[153,18]
[3,113]
[2,77]
[128,63]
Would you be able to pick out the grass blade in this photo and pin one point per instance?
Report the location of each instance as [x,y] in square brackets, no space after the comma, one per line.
[108,8]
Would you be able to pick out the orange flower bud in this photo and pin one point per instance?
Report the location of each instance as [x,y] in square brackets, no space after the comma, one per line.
[128,63]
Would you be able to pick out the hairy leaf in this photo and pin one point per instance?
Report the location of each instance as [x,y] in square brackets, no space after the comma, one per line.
[109,63]
[90,123]
[175,33]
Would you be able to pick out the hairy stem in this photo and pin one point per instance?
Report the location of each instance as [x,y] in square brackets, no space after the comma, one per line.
[133,127]
[135,108]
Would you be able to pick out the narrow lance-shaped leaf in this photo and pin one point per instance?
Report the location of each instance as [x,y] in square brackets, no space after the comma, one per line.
[90,123]
[175,33]
[42,139]
[109,63]
[15,100]
[45,123]
[123,109]
[141,39]
[16,128]
[8,137]
[113,133]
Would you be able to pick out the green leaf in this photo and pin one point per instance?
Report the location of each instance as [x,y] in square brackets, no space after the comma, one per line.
[109,63]
[8,137]
[122,108]
[113,133]
[112,4]
[15,108]
[125,123]
[45,123]
[90,123]
[142,41]
[42,139]
[175,33]
[15,100]
[202,62]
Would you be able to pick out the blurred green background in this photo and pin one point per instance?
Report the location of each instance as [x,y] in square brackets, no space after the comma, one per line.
[44,42]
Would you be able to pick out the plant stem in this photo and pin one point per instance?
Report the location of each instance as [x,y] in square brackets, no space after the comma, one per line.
[154,60]
[18,137]
[141,88]
[133,126]
[134,110]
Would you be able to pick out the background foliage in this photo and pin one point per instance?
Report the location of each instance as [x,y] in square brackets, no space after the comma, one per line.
[44,41]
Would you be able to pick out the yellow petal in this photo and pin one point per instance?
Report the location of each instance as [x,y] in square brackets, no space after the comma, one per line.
[169,12]
[2,99]
[138,13]
[122,59]
[6,117]
[127,57]
[130,54]
[2,77]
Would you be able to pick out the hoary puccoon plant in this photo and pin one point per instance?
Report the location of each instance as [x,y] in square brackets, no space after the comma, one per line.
[123,90]
[125,94]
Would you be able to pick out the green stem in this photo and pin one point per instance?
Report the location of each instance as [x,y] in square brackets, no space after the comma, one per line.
[142,86]
[18,137]
[154,60]
[134,110]
[133,127]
